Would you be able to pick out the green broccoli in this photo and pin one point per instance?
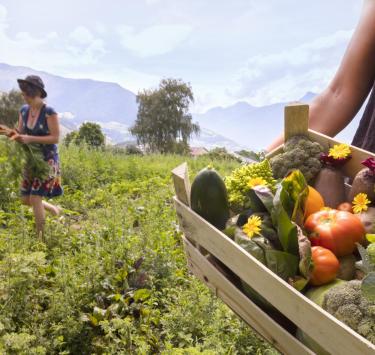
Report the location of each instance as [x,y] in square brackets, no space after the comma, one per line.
[301,153]
[346,303]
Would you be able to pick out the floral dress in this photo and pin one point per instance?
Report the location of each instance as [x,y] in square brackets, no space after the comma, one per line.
[50,185]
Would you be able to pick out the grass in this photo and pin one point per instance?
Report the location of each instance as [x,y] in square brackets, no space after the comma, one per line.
[111,277]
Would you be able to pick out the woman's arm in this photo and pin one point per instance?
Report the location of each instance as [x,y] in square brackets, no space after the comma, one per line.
[336,106]
[20,123]
[52,138]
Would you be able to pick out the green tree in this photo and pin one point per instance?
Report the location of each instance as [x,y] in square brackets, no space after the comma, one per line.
[71,137]
[89,133]
[10,104]
[163,121]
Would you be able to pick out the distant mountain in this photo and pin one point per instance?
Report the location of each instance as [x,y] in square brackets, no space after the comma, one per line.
[115,109]
[253,126]
[109,104]
[86,99]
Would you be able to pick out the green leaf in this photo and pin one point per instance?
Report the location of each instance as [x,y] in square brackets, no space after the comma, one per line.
[142,294]
[295,192]
[366,264]
[261,196]
[304,247]
[370,238]
[368,287]
[298,282]
[286,230]
[283,264]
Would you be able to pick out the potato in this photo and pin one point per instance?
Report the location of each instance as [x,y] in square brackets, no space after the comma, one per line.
[363,182]
[331,185]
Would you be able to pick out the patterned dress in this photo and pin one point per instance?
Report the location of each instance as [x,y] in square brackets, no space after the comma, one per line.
[32,185]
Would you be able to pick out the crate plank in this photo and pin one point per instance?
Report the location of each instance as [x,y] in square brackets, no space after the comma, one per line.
[353,166]
[296,120]
[330,333]
[181,183]
[242,305]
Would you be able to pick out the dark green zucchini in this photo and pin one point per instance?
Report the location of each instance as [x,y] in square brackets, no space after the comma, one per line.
[209,198]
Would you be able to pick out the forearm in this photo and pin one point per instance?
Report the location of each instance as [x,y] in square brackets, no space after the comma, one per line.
[329,113]
[332,111]
[50,139]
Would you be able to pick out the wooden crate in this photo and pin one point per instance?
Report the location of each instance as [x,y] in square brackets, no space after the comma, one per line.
[207,249]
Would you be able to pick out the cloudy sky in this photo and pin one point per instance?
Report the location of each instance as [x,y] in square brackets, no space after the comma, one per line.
[259,51]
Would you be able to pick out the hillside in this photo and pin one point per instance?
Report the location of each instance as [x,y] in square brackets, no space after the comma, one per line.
[256,127]
[109,104]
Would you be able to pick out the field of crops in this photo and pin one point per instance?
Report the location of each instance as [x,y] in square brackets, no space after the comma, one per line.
[111,277]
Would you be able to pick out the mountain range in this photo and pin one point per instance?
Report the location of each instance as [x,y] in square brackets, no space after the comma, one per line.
[115,108]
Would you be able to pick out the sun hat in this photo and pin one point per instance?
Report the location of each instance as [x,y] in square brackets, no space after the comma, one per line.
[36,81]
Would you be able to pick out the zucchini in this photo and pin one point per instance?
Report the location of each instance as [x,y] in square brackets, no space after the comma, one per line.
[209,198]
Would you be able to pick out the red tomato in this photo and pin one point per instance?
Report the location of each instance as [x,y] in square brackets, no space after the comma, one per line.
[325,266]
[345,206]
[335,230]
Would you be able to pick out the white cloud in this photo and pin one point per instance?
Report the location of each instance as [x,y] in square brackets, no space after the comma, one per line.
[81,35]
[49,51]
[66,115]
[155,40]
[287,75]
[3,13]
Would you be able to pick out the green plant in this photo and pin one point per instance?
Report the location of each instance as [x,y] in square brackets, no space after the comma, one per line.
[111,277]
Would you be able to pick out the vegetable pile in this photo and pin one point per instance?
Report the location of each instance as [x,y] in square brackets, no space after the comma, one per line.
[292,214]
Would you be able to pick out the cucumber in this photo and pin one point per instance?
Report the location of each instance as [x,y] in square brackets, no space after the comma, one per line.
[209,198]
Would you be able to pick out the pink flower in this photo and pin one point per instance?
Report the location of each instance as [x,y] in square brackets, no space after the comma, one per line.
[370,163]
[329,160]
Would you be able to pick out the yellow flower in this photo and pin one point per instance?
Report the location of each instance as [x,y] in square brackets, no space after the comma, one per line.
[360,203]
[256,182]
[252,227]
[326,208]
[339,151]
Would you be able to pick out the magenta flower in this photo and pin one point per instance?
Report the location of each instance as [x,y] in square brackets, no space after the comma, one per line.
[370,163]
[329,160]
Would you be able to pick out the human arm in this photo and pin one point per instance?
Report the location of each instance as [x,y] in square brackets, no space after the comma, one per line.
[336,106]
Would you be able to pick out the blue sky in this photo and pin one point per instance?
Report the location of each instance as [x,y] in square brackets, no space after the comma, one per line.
[262,51]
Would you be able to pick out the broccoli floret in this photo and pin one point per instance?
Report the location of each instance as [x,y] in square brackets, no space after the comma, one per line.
[301,153]
[347,304]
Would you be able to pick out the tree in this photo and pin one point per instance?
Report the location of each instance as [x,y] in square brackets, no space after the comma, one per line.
[71,137]
[163,120]
[89,133]
[10,104]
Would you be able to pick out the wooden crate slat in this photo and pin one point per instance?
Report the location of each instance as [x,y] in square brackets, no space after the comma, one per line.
[242,305]
[296,120]
[330,333]
[181,183]
[353,166]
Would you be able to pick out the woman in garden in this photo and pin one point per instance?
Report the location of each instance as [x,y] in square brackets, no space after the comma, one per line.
[39,126]
[337,105]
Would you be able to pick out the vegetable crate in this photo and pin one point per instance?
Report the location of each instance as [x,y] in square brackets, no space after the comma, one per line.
[214,258]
